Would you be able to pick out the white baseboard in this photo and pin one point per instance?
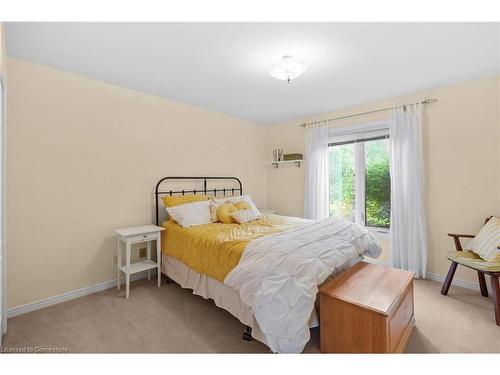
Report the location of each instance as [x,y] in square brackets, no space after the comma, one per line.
[458,282]
[440,278]
[70,295]
[112,284]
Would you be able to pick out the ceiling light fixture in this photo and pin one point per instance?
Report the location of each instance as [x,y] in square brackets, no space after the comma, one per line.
[287,68]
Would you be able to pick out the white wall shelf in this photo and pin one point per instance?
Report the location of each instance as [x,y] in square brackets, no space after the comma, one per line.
[276,164]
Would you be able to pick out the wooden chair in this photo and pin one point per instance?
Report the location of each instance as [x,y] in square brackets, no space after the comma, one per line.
[471,260]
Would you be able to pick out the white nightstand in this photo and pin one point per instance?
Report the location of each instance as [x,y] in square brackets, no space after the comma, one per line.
[129,236]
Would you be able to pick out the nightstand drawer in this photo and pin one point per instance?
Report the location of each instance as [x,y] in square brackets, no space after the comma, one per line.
[143,237]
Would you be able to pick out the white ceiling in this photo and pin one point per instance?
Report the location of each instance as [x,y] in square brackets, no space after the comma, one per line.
[224,66]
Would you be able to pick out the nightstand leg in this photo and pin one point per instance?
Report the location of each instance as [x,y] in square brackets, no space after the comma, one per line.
[127,260]
[158,261]
[118,262]
[148,247]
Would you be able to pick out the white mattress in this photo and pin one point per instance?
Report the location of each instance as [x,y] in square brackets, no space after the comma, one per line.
[224,296]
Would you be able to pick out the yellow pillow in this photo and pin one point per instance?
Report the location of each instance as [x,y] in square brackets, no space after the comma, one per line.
[176,200]
[242,205]
[224,212]
[172,201]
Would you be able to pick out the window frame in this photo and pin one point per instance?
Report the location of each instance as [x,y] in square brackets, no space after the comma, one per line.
[359,134]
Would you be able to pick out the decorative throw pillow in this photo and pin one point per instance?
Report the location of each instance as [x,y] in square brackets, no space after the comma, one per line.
[224,212]
[247,198]
[190,214]
[242,205]
[244,216]
[214,205]
[486,241]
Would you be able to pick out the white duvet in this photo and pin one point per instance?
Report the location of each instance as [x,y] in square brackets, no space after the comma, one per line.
[278,275]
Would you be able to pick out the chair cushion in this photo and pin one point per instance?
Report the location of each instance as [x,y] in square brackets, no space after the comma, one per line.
[469,259]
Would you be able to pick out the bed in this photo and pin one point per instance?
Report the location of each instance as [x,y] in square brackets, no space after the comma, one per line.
[239,265]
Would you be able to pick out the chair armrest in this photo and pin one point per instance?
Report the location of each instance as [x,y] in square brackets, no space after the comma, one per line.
[456,239]
[461,235]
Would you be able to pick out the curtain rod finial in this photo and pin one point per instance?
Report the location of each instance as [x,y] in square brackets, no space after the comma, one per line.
[429,100]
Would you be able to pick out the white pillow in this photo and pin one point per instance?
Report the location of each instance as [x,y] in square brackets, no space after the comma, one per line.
[247,198]
[191,214]
[219,201]
[244,216]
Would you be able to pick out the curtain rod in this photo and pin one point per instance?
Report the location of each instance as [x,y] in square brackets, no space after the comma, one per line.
[425,101]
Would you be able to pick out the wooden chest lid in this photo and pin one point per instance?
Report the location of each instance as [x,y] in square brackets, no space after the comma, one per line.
[370,286]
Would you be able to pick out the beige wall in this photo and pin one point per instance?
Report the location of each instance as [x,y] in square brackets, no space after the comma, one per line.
[461,151]
[83,158]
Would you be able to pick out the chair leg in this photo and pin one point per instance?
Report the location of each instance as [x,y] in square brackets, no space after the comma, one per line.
[482,284]
[496,297]
[449,278]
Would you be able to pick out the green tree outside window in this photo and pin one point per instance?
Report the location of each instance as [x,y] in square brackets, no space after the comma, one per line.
[377,182]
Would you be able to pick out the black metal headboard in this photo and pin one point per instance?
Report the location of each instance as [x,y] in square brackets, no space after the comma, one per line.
[205,189]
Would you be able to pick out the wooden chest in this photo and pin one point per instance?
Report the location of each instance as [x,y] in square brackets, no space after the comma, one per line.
[367,309]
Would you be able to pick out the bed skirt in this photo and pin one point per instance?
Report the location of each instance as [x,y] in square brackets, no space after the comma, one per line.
[223,296]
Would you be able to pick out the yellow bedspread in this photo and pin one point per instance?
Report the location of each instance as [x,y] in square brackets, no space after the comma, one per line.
[215,249]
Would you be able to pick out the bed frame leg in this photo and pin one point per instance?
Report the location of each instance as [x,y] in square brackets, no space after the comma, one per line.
[247,335]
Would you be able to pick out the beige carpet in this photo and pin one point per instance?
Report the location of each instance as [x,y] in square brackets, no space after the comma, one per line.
[172,320]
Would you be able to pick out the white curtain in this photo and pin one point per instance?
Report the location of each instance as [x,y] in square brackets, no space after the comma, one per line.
[408,227]
[316,188]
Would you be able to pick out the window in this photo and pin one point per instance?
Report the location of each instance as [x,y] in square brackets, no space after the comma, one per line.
[360,183]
